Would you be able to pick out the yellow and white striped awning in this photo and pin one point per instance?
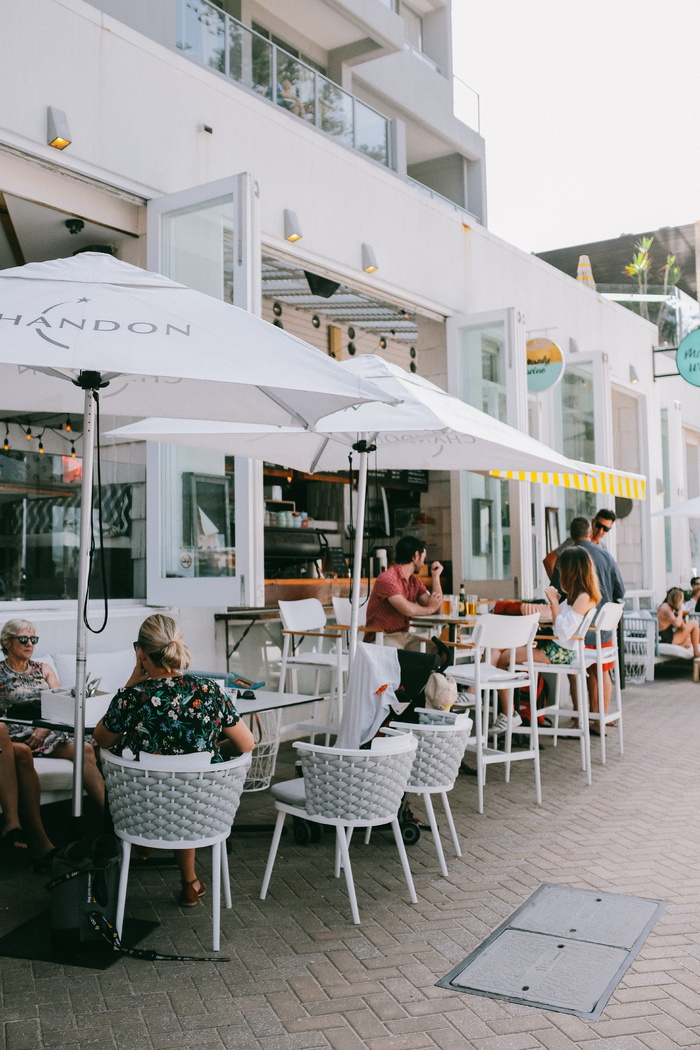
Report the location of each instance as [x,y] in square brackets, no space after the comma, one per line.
[600,479]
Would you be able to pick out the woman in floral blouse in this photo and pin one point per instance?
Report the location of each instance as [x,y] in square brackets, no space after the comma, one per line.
[164,711]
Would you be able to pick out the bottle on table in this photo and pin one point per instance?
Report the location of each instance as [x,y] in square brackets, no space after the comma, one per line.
[462,601]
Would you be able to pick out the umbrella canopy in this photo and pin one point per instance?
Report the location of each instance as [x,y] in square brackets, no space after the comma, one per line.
[689,509]
[429,430]
[163,347]
[147,343]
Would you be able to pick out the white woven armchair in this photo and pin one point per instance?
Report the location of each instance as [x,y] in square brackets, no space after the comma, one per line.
[166,802]
[347,789]
[435,767]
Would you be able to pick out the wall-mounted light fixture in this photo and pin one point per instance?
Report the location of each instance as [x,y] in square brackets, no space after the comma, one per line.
[634,376]
[292,229]
[369,259]
[58,132]
[660,487]
[74,226]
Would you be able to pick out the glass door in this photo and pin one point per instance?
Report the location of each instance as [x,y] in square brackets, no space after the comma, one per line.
[491,518]
[204,522]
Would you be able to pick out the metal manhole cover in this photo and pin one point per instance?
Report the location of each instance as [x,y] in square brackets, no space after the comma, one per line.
[564,949]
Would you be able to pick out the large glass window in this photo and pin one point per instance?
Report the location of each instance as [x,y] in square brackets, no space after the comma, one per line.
[577,435]
[40,523]
[413,25]
[197,247]
[486,538]
[197,514]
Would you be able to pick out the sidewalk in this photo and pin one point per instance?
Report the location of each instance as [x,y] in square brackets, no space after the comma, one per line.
[302,976]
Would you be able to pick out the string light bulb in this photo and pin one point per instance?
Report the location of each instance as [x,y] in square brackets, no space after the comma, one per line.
[29,433]
[72,450]
[6,446]
[69,425]
[41,443]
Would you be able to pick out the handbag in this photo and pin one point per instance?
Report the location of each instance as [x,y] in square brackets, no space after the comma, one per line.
[440,691]
[85,878]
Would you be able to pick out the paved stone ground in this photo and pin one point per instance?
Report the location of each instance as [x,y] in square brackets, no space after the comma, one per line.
[301,975]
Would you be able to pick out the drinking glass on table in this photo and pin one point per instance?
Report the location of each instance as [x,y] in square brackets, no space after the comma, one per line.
[446,604]
[471,600]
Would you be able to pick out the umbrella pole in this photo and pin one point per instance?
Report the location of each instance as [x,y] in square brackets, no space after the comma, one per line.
[83,580]
[364,450]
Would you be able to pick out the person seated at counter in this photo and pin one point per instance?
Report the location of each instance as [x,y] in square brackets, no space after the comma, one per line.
[398,594]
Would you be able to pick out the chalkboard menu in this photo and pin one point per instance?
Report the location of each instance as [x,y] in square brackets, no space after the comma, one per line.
[337,560]
[414,479]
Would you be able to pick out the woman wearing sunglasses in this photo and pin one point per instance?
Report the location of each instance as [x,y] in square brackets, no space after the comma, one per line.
[21,683]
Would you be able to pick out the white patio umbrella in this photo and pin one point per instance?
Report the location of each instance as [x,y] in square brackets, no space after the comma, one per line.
[429,430]
[143,343]
[690,508]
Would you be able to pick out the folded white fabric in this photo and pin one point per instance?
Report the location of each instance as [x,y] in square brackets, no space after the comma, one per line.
[366,702]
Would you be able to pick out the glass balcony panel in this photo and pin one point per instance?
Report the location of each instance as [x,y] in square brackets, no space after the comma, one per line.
[296,87]
[371,132]
[335,110]
[201,33]
[260,79]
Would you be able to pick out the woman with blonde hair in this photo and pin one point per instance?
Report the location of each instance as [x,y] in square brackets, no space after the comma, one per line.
[579,583]
[163,711]
[674,628]
[22,680]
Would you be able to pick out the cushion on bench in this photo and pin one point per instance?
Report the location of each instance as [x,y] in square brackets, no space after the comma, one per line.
[668,649]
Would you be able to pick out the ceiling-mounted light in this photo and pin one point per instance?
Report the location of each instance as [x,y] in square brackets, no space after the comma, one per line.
[405,314]
[369,259]
[382,343]
[393,333]
[277,309]
[74,226]
[292,229]
[58,133]
[316,321]
[634,376]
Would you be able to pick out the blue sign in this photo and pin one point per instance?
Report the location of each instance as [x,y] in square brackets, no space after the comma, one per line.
[688,358]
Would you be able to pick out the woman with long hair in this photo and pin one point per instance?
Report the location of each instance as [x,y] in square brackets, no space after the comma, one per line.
[674,628]
[164,711]
[580,585]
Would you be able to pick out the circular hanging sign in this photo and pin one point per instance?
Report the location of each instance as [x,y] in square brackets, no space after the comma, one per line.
[545,364]
[688,358]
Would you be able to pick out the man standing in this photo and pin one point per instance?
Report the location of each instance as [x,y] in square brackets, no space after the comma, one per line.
[611,588]
[398,594]
[692,604]
[601,525]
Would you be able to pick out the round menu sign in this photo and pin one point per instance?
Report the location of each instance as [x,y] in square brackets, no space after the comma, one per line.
[688,358]
[545,364]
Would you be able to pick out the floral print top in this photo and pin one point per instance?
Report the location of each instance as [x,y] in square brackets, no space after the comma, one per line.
[170,716]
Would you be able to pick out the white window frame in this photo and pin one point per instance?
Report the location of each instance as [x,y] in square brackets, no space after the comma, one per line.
[247,587]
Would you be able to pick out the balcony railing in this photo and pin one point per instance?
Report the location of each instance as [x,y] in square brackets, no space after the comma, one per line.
[214,39]
[673,311]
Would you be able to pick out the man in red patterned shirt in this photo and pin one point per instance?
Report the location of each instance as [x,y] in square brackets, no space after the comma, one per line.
[398,594]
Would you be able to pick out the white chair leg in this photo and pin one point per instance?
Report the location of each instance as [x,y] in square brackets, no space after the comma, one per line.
[535,744]
[557,706]
[451,823]
[601,710]
[436,834]
[123,880]
[342,844]
[226,877]
[398,838]
[368,835]
[618,704]
[216,895]
[480,741]
[585,725]
[274,846]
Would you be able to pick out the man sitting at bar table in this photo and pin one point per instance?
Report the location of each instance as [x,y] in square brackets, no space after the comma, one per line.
[398,595]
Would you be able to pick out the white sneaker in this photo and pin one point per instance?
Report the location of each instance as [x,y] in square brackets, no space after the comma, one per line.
[501,723]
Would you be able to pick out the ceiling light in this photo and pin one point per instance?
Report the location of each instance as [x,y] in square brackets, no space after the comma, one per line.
[292,229]
[58,133]
[74,226]
[382,343]
[369,259]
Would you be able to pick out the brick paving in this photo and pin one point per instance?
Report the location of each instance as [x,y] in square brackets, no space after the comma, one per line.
[302,976]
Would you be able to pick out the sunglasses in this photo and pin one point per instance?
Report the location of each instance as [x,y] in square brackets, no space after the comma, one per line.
[136,646]
[603,528]
[24,638]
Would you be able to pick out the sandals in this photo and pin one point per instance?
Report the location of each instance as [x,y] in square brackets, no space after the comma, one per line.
[191,892]
[14,838]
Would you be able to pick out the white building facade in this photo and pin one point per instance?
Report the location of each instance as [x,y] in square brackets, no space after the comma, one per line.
[237,148]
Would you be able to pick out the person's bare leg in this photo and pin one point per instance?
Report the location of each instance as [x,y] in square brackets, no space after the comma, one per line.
[92,778]
[9,794]
[688,636]
[192,887]
[592,676]
[538,655]
[30,801]
[607,691]
[573,690]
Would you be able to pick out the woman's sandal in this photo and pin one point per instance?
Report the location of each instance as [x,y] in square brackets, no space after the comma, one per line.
[189,895]
[14,838]
[42,866]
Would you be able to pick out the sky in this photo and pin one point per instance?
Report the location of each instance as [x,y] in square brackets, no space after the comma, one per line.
[589,110]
